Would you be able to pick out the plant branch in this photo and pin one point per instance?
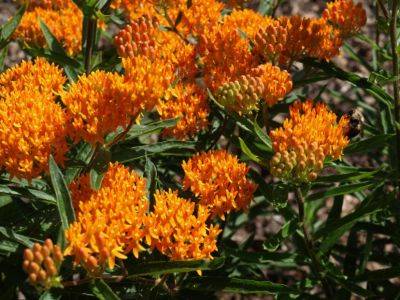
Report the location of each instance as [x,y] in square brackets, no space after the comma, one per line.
[316,264]
[90,41]
[395,70]
[383,8]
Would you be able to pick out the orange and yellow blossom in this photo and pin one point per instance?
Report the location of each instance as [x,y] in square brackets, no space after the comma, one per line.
[265,82]
[219,180]
[311,134]
[148,79]
[46,4]
[347,16]
[98,104]
[109,224]
[135,8]
[225,55]
[143,37]
[309,38]
[179,230]
[248,21]
[32,127]
[65,24]
[38,75]
[42,263]
[188,103]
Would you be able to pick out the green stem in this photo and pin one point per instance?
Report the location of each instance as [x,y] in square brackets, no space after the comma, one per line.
[316,264]
[90,42]
[395,70]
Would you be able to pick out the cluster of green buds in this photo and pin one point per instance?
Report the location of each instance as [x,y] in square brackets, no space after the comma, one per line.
[242,95]
[42,263]
[298,166]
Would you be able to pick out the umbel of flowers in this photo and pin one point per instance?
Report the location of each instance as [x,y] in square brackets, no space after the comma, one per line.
[310,134]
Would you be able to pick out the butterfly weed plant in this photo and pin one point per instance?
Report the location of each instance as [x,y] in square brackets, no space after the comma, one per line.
[179,149]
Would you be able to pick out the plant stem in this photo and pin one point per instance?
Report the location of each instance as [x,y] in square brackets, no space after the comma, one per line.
[395,66]
[316,264]
[90,41]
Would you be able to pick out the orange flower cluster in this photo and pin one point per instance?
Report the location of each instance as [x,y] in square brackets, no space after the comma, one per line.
[143,37]
[64,22]
[179,230]
[46,4]
[237,3]
[310,135]
[225,55]
[348,17]
[266,81]
[98,104]
[135,8]
[29,75]
[148,80]
[219,180]
[189,104]
[110,222]
[42,263]
[32,127]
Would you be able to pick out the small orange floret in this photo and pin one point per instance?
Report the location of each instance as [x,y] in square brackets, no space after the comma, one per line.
[178,230]
[110,222]
[348,17]
[189,104]
[32,127]
[219,180]
[32,75]
[98,104]
[301,145]
[65,24]
[46,4]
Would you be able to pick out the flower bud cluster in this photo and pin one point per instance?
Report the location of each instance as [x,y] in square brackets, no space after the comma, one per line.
[42,263]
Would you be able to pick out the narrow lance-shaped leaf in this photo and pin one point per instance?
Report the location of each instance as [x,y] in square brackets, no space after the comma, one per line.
[63,197]
[103,291]
[8,28]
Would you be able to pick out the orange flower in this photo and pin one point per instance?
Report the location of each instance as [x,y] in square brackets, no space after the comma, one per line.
[178,230]
[46,4]
[248,21]
[32,127]
[147,79]
[265,82]
[348,17]
[135,8]
[98,104]
[309,38]
[301,145]
[143,37]
[189,104]
[269,42]
[219,180]
[42,263]
[225,55]
[80,190]
[32,75]
[110,222]
[65,24]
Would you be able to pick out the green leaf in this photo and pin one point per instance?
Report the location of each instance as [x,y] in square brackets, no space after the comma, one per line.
[8,28]
[378,275]
[103,291]
[3,55]
[48,295]
[376,201]
[155,127]
[21,239]
[168,267]
[150,171]
[343,190]
[250,154]
[351,287]
[62,58]
[352,176]
[263,136]
[238,285]
[63,197]
[369,144]
[275,241]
